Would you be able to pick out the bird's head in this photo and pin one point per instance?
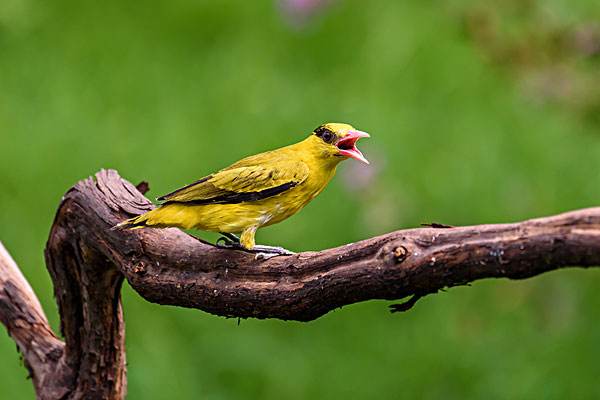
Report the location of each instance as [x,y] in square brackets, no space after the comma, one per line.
[337,141]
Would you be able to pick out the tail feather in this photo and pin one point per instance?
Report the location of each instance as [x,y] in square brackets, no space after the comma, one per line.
[161,217]
[133,223]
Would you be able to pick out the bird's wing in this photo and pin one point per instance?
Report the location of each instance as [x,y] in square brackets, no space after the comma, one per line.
[239,184]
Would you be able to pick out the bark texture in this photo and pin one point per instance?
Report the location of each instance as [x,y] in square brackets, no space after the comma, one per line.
[88,261]
[25,321]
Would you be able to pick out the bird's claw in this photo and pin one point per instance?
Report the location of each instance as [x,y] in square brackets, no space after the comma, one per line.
[264,256]
[260,252]
[266,252]
[229,241]
[232,242]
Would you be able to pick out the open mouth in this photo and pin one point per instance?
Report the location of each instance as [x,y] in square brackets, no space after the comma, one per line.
[347,145]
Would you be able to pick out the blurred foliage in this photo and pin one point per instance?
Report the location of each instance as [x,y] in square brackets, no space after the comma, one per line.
[554,55]
[169,91]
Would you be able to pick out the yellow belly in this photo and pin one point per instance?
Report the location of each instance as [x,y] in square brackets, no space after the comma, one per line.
[230,218]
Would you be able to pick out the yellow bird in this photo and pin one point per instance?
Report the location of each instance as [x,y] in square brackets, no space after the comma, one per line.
[257,191]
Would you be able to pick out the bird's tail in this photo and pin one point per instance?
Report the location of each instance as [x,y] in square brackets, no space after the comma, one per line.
[161,217]
[138,222]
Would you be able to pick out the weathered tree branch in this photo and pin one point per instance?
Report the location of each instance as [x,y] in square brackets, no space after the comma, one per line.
[88,260]
[26,323]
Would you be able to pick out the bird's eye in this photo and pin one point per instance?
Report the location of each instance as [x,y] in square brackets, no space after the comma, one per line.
[325,134]
[327,137]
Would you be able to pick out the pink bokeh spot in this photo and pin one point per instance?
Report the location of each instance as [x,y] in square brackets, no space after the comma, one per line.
[299,12]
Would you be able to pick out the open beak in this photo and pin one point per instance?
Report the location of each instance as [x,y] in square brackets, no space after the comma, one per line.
[347,145]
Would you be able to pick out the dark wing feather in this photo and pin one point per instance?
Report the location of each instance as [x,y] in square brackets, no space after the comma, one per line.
[235,198]
[239,184]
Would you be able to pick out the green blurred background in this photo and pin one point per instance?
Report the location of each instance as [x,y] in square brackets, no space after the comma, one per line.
[478,112]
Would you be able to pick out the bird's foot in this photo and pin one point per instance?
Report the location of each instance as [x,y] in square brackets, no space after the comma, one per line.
[266,252]
[260,252]
[229,241]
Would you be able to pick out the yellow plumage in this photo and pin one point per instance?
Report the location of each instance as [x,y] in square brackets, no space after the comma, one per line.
[259,190]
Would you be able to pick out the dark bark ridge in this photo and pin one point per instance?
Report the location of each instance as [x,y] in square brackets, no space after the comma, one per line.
[88,260]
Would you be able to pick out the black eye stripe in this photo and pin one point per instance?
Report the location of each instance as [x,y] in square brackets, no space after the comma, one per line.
[325,134]
[320,130]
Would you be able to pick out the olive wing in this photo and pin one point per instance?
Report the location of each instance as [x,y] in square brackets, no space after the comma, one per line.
[241,184]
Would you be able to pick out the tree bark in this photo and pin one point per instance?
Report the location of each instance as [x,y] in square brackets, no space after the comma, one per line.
[88,260]
[26,323]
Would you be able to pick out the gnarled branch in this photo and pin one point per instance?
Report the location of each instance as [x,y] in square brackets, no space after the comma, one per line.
[88,260]
[26,323]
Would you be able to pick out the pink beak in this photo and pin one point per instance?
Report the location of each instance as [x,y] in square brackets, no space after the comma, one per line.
[347,145]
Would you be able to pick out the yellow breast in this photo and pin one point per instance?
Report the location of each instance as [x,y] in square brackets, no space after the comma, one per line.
[237,217]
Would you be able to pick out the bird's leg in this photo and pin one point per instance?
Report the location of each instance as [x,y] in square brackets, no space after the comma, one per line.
[262,252]
[246,243]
